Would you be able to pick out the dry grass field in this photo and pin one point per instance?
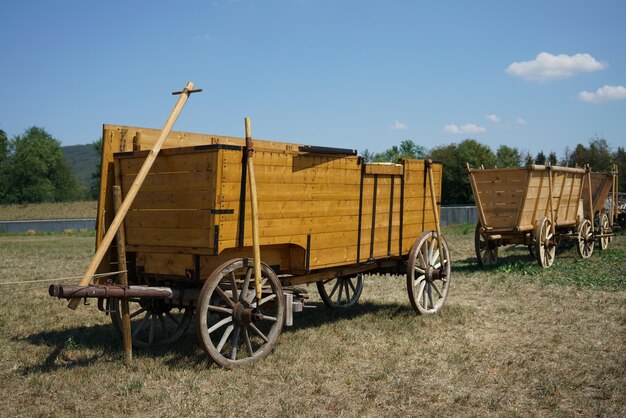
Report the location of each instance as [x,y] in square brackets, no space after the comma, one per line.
[60,210]
[513,340]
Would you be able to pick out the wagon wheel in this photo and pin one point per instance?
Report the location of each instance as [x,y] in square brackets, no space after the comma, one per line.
[153,322]
[605,228]
[233,327]
[545,246]
[428,273]
[585,239]
[486,250]
[344,291]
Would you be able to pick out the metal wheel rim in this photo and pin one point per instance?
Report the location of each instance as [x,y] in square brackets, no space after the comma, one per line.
[428,295]
[341,292]
[486,253]
[227,303]
[153,323]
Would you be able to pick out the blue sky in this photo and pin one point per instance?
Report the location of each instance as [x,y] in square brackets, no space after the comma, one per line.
[354,74]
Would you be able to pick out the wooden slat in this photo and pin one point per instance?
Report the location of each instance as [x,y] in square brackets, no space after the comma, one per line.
[174,200]
[174,218]
[181,181]
[175,237]
[192,161]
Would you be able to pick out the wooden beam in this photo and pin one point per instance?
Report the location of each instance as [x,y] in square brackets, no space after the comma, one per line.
[255,212]
[121,258]
[132,193]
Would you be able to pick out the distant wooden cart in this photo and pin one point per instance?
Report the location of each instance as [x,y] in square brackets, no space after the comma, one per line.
[538,206]
[325,217]
[605,216]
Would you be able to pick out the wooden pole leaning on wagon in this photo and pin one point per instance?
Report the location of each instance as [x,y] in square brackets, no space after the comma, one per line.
[121,263]
[431,183]
[134,189]
[255,212]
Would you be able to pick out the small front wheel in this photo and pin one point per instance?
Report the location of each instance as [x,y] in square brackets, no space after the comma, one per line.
[428,273]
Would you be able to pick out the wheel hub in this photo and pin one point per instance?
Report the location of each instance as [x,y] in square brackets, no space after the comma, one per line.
[432,273]
[244,314]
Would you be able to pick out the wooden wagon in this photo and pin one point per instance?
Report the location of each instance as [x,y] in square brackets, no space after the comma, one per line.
[325,216]
[595,203]
[537,206]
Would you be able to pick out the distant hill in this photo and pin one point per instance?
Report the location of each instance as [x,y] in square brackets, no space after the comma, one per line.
[83,160]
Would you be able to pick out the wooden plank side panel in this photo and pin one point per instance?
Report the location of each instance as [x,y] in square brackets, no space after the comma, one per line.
[170,237]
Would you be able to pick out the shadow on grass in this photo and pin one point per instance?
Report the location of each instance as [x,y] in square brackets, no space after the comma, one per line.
[67,344]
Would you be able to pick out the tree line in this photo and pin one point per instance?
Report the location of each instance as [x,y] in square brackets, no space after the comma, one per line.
[33,168]
[456,188]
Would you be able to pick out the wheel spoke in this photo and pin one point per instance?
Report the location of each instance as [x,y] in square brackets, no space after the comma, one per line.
[224,296]
[435,257]
[436,289]
[152,327]
[164,326]
[137,312]
[224,338]
[220,324]
[246,338]
[259,333]
[246,284]
[267,299]
[430,295]
[269,318]
[340,291]
[233,283]
[234,344]
[345,283]
[141,324]
[422,261]
[219,309]
[352,285]
[173,319]
[332,292]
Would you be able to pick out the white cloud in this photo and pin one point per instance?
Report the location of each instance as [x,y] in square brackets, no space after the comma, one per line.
[548,67]
[603,94]
[398,125]
[493,118]
[521,121]
[469,128]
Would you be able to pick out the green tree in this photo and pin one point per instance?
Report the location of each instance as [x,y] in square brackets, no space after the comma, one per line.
[552,159]
[4,156]
[540,158]
[37,171]
[407,150]
[599,154]
[507,157]
[455,182]
[94,187]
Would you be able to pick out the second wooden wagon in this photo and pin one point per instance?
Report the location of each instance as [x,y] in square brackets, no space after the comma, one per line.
[537,206]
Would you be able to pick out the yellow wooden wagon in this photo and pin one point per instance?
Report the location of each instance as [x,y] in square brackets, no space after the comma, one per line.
[537,206]
[325,216]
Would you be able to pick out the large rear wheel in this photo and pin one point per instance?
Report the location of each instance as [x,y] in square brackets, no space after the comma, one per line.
[545,245]
[233,326]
